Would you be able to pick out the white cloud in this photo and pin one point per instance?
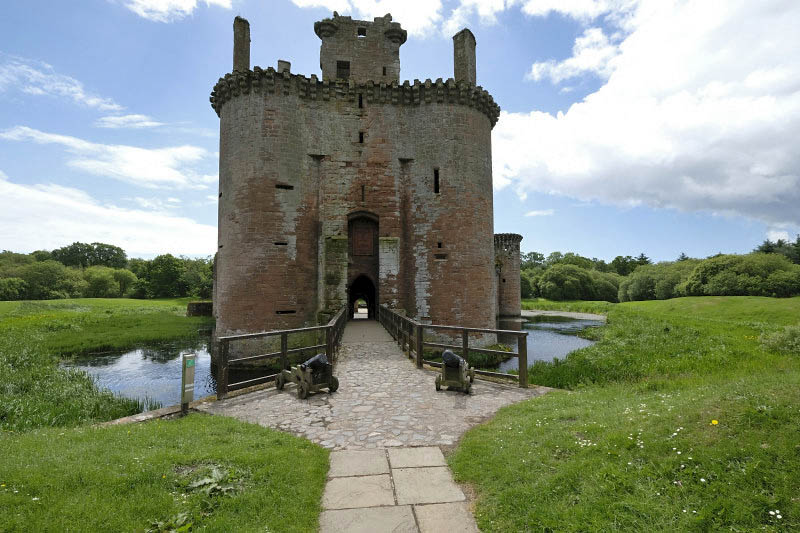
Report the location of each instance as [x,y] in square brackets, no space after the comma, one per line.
[592,53]
[41,79]
[127,121]
[169,10]
[541,213]
[775,235]
[701,111]
[416,16]
[46,216]
[147,167]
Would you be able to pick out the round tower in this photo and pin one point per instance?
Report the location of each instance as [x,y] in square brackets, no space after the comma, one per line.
[507,266]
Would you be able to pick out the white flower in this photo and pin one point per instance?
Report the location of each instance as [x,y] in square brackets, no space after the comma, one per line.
[772,513]
[703,480]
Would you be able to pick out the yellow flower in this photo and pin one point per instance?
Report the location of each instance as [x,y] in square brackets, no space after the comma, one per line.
[164,476]
[714,422]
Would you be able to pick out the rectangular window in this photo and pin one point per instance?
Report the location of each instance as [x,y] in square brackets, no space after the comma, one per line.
[286,312]
[384,71]
[284,186]
[362,32]
[342,70]
[360,101]
[281,243]
[436,180]
[361,137]
[438,245]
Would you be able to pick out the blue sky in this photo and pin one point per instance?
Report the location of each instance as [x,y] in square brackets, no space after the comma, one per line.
[628,126]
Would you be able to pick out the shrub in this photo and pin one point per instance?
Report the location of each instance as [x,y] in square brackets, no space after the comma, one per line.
[50,279]
[12,288]
[784,341]
[100,282]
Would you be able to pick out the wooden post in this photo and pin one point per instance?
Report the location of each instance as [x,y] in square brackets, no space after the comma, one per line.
[464,343]
[329,344]
[419,345]
[408,338]
[222,371]
[522,342]
[284,348]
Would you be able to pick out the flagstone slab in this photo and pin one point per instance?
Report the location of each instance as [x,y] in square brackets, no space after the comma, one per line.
[416,457]
[346,463]
[360,491]
[399,519]
[425,485]
[447,517]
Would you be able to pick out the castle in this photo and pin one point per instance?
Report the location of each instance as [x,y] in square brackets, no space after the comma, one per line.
[356,186]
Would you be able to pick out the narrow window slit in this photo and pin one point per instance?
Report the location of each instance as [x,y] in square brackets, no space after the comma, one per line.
[281,243]
[436,180]
[361,137]
[284,186]
[285,312]
[360,101]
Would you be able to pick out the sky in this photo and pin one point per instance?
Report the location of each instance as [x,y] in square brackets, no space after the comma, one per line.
[627,126]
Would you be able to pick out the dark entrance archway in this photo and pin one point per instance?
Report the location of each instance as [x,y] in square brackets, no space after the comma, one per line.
[362,288]
[362,261]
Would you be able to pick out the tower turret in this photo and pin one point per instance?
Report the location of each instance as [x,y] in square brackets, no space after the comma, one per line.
[359,50]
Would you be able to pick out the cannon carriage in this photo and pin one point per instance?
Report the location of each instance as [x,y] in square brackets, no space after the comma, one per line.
[311,376]
[456,373]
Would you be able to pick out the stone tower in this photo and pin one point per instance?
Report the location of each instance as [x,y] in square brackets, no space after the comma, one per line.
[354,185]
[507,265]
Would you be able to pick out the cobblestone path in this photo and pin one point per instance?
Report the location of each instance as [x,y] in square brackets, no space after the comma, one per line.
[383,400]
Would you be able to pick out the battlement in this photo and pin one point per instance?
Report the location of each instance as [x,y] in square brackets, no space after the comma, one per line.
[284,83]
[506,240]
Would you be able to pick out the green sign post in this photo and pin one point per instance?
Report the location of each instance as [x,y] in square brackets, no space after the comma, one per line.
[187,381]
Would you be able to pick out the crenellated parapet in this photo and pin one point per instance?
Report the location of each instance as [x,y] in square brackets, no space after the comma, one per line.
[507,241]
[271,81]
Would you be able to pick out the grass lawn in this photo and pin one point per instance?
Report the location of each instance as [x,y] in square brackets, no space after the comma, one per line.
[214,473]
[34,335]
[633,446]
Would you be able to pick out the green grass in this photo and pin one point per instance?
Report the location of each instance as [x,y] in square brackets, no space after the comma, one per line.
[576,306]
[127,478]
[605,456]
[35,392]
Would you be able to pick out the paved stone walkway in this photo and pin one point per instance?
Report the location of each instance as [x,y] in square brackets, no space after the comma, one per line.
[395,489]
[383,400]
[385,425]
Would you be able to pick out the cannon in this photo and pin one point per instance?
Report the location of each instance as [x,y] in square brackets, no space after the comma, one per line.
[456,373]
[311,376]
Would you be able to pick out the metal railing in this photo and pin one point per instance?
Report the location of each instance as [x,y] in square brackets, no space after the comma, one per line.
[333,336]
[410,335]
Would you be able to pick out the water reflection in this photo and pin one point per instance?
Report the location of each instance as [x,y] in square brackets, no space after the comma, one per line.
[548,337]
[150,372]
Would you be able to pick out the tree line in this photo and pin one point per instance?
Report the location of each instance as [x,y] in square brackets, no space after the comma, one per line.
[99,270]
[771,269]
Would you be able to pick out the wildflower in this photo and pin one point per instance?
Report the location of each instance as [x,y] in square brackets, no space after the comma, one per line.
[714,422]
[164,476]
[36,499]
[772,513]
[702,480]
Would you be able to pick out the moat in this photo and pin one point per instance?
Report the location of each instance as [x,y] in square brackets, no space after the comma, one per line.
[154,372]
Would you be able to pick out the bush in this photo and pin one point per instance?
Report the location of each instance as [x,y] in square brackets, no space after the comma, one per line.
[100,283]
[49,280]
[784,341]
[12,288]
[755,274]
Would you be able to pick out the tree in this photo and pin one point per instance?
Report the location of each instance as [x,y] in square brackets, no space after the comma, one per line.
[125,280]
[84,255]
[531,260]
[165,276]
[683,257]
[624,265]
[50,280]
[12,288]
[100,282]
[643,260]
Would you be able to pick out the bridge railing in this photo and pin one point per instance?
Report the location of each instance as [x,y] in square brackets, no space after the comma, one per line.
[332,332]
[410,335]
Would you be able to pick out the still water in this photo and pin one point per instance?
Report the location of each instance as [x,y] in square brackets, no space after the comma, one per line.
[152,372]
[550,337]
